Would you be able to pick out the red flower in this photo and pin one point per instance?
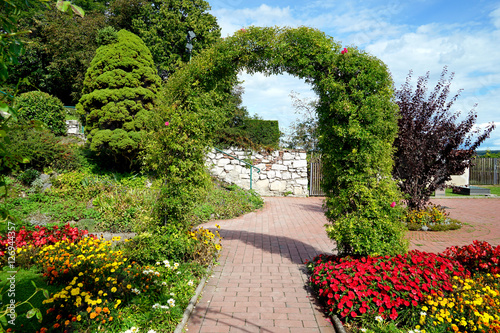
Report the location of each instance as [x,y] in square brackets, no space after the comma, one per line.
[344,51]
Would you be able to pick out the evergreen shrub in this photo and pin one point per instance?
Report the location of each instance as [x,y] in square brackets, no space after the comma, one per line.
[37,105]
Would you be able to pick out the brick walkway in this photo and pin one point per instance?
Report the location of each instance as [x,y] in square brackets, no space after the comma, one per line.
[259,285]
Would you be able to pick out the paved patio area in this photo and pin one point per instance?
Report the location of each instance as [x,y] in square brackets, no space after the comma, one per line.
[259,285]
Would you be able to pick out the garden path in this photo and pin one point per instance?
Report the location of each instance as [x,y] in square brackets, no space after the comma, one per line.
[259,285]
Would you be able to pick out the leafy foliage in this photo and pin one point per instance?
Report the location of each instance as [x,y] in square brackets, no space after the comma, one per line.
[163,26]
[357,127]
[431,145]
[42,149]
[119,96]
[37,105]
[58,53]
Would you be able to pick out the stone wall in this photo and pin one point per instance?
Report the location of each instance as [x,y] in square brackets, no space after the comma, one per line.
[281,172]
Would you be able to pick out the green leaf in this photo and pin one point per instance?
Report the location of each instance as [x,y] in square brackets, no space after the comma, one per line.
[3,320]
[46,293]
[33,283]
[77,10]
[63,5]
[39,315]
[31,313]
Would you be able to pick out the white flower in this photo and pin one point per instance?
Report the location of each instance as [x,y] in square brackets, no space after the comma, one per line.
[172,294]
[423,313]
[190,283]
[134,329]
[156,306]
[164,306]
[410,331]
[157,263]
[363,330]
[151,331]
[178,273]
[163,283]
[136,291]
[166,262]
[171,302]
[176,265]
[379,319]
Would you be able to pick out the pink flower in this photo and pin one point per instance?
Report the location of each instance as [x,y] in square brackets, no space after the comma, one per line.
[344,50]
[243,30]
[167,123]
[393,204]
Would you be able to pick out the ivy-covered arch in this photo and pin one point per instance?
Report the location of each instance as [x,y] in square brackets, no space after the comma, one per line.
[357,117]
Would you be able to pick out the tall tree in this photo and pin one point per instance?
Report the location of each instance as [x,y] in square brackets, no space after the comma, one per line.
[304,130]
[58,53]
[163,25]
[432,144]
[120,89]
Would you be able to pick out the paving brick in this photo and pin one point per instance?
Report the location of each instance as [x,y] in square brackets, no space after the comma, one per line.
[259,284]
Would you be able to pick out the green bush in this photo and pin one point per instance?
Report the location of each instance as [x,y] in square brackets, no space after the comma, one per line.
[225,202]
[163,243]
[43,150]
[37,105]
[119,94]
[263,132]
[28,176]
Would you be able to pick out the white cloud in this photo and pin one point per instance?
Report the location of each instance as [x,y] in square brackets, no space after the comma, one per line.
[470,49]
[231,20]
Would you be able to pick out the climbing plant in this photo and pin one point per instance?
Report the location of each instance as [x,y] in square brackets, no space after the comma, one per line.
[357,125]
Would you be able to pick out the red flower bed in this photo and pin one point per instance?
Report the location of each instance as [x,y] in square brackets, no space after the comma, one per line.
[42,236]
[384,286]
[476,257]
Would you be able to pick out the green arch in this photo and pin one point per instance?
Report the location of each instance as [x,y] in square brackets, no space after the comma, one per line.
[358,123]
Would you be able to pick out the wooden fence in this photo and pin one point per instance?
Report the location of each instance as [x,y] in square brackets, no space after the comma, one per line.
[315,176]
[485,171]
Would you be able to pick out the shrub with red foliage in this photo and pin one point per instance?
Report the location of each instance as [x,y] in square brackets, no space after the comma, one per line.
[42,236]
[383,285]
[478,257]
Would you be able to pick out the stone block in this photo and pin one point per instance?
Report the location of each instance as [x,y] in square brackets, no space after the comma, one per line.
[299,164]
[301,181]
[278,186]
[262,176]
[286,175]
[223,161]
[297,190]
[271,174]
[279,167]
[287,157]
[228,167]
[262,184]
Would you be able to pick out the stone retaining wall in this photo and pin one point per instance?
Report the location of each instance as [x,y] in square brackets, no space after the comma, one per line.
[281,172]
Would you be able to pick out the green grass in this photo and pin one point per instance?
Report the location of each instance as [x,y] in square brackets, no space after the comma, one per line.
[494,189]
[24,289]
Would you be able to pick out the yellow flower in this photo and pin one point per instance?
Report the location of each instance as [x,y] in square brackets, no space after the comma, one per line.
[75,291]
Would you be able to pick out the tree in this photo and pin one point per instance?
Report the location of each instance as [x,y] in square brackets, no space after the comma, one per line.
[431,144]
[119,94]
[163,26]
[58,54]
[304,131]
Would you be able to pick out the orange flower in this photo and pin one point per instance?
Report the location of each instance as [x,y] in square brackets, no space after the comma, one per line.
[66,323]
[56,325]
[98,310]
[58,317]
[89,309]
[105,309]
[93,315]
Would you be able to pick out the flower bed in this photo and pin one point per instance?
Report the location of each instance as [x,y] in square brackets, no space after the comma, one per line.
[418,291]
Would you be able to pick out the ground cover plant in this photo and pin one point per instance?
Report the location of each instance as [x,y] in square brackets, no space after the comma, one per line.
[95,285]
[430,218]
[457,290]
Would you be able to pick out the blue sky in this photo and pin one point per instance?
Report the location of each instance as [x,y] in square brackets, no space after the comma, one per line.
[421,35]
